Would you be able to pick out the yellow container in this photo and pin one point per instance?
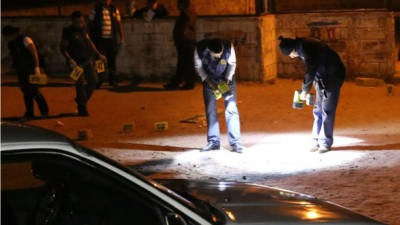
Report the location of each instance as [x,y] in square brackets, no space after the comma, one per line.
[40,79]
[100,66]
[128,127]
[161,126]
[76,73]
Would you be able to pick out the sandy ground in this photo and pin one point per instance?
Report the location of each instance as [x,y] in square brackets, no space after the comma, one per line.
[361,173]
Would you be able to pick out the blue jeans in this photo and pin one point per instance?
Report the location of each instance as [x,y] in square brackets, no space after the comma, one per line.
[324,115]
[231,116]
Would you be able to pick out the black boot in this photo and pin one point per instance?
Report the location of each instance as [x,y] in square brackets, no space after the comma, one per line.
[82,111]
[43,107]
[210,147]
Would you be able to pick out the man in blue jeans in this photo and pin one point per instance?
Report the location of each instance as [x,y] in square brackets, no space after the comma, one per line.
[326,71]
[215,62]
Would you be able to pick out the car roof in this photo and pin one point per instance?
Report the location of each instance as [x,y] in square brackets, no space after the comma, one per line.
[22,134]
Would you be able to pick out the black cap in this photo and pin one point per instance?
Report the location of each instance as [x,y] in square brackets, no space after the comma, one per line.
[287,45]
[8,30]
[215,45]
[76,14]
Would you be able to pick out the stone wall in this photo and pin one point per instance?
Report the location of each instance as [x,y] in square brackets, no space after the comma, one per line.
[149,51]
[313,5]
[202,7]
[364,40]
[269,50]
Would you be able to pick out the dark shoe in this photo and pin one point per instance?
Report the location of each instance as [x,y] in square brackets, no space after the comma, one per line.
[114,84]
[170,86]
[210,147]
[187,87]
[237,148]
[98,85]
[29,115]
[82,111]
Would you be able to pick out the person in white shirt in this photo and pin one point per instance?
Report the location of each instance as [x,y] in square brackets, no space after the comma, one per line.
[215,62]
[25,59]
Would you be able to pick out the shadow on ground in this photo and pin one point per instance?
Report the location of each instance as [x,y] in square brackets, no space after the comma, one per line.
[24,119]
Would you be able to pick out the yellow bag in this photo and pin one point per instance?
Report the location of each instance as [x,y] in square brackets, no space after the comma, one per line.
[76,73]
[40,79]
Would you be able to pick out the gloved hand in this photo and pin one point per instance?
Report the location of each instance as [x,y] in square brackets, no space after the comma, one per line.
[303,95]
[102,57]
[73,64]
[37,70]
[211,84]
[228,82]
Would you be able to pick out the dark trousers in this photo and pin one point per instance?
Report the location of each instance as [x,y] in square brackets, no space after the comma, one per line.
[185,66]
[109,48]
[31,93]
[86,84]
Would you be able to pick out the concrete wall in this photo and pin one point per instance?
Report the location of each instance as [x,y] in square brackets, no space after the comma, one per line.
[364,40]
[313,5]
[269,50]
[149,51]
[202,7]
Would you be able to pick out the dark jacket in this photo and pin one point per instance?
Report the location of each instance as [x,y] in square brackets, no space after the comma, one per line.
[185,28]
[160,12]
[79,47]
[323,64]
[22,58]
[215,69]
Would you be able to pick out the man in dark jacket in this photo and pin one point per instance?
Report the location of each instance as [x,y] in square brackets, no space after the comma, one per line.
[184,39]
[215,62]
[326,70]
[107,33]
[25,59]
[79,50]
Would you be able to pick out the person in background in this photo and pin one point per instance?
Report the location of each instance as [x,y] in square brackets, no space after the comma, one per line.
[326,71]
[215,62]
[107,33]
[184,35]
[25,61]
[79,50]
[153,10]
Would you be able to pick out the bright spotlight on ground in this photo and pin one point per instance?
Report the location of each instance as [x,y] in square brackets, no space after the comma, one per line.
[278,154]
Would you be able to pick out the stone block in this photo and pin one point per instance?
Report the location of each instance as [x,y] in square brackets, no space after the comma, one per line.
[372,46]
[369,34]
[164,27]
[143,27]
[207,27]
[369,82]
[369,21]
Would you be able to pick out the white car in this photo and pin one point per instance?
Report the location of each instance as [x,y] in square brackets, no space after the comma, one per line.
[48,179]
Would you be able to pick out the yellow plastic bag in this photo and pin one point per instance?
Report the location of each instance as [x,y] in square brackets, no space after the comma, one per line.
[40,79]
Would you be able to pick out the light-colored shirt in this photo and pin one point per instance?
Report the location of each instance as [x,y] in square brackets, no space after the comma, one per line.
[28,41]
[106,21]
[230,71]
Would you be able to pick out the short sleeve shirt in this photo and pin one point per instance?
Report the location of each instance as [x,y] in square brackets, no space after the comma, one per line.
[79,46]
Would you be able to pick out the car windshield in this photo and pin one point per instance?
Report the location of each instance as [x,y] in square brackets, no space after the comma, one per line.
[202,208]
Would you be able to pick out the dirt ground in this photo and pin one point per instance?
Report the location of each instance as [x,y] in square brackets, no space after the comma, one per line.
[360,173]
